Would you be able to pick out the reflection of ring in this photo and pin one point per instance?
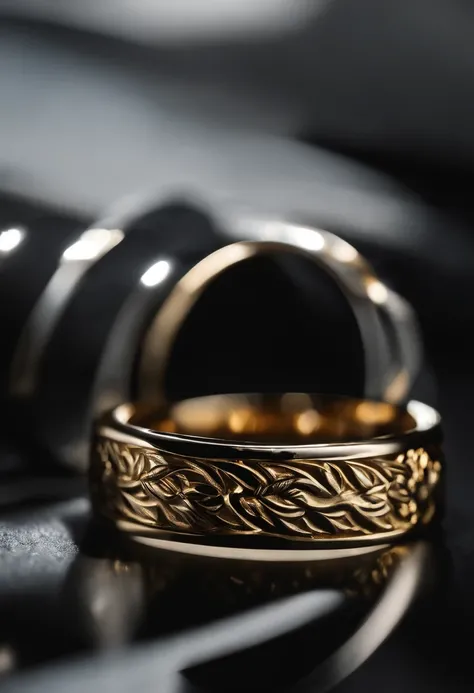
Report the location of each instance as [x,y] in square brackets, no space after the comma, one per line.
[259,469]
[360,575]
[213,587]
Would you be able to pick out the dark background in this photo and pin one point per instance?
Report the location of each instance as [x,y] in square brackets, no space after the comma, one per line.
[355,115]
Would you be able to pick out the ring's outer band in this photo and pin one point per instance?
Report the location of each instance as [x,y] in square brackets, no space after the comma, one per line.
[209,490]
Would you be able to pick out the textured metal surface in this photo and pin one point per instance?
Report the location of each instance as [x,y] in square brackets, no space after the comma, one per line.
[193,469]
[302,500]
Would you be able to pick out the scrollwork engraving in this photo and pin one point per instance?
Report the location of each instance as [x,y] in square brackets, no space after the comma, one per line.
[299,499]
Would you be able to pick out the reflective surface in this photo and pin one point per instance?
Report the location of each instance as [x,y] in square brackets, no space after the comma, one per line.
[69,588]
[88,298]
[31,243]
[74,263]
[256,471]
[272,419]
[102,594]
[10,238]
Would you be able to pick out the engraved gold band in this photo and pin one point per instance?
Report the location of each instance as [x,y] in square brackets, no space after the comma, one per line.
[266,471]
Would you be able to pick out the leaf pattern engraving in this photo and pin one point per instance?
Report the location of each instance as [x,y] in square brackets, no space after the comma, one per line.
[298,499]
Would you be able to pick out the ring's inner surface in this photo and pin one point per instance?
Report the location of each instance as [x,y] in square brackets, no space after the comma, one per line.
[291,418]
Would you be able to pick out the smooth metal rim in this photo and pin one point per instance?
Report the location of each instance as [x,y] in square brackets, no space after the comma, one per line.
[116,427]
[137,534]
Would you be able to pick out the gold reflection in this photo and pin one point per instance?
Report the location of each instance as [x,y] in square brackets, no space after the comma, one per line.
[294,402]
[124,592]
[289,418]
[92,244]
[304,237]
[308,422]
[376,291]
[242,421]
[344,252]
[398,386]
[283,232]
[374,413]
[361,576]
[355,603]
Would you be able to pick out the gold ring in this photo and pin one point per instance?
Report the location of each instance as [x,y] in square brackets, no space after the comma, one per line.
[268,471]
[381,314]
